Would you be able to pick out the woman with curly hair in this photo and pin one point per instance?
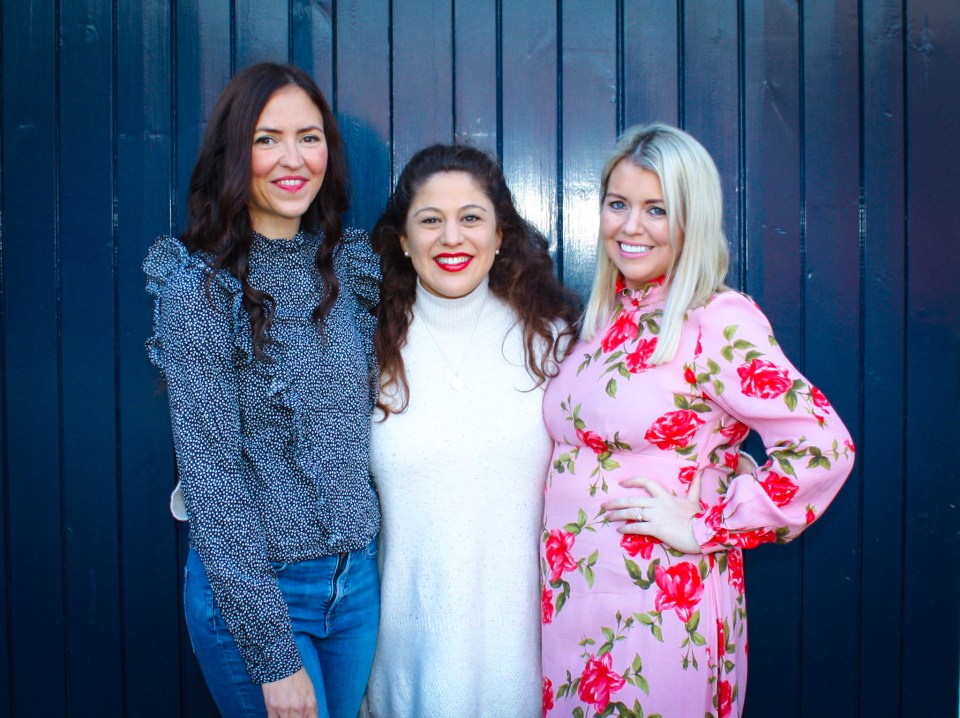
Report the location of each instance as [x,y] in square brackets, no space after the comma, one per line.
[471,325]
[264,336]
[647,505]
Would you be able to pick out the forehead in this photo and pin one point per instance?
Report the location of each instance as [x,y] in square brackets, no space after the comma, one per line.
[290,105]
[628,178]
[453,189]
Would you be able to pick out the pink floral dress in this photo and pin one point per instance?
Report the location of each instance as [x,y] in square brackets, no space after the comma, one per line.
[630,626]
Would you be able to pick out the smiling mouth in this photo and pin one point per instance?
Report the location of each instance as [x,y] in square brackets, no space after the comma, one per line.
[634,248]
[453,262]
[290,184]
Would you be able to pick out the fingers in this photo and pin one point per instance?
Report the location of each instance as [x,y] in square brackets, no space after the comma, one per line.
[694,493]
[654,488]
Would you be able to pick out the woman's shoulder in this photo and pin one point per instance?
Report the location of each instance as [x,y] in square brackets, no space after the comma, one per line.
[358,266]
[173,272]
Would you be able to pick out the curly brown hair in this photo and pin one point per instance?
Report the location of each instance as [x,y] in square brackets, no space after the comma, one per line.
[218,222]
[522,276]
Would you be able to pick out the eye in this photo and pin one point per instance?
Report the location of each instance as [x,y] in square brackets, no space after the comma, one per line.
[616,204]
[312,139]
[658,211]
[263,140]
[472,218]
[430,220]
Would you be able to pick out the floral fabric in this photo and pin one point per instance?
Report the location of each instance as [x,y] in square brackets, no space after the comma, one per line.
[632,627]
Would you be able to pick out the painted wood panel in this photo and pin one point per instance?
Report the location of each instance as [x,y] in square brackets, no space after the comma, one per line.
[833,125]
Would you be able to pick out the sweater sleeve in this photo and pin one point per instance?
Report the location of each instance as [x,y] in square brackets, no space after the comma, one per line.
[197,346]
[740,364]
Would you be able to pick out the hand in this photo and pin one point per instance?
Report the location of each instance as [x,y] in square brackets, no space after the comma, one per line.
[291,697]
[664,516]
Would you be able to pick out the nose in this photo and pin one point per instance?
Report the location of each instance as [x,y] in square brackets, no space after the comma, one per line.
[633,224]
[451,234]
[291,155]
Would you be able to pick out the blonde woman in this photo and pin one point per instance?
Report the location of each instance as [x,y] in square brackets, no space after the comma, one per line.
[646,508]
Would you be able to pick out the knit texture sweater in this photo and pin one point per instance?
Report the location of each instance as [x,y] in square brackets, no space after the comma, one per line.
[460,475]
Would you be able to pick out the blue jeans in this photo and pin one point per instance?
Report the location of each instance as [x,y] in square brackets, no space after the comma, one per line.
[334,606]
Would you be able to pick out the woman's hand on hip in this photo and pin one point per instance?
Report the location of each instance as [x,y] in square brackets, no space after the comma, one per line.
[662,515]
[291,697]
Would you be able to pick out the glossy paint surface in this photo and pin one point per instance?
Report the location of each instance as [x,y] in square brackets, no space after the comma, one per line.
[833,124]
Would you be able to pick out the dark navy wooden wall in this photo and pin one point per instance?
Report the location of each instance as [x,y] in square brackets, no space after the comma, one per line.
[834,124]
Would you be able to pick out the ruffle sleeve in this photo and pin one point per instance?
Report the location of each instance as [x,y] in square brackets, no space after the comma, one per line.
[201,339]
[743,370]
[358,268]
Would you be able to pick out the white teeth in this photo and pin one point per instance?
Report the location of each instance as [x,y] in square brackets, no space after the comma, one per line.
[635,248]
[289,183]
[452,260]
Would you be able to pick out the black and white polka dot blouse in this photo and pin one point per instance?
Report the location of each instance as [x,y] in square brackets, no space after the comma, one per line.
[272,457]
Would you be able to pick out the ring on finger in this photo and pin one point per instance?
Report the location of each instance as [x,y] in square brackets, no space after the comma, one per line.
[640,514]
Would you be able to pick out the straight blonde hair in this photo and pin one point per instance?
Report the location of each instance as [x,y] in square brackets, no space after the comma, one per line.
[694,204]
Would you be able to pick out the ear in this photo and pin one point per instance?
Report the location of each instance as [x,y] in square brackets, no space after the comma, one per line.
[499,238]
[404,244]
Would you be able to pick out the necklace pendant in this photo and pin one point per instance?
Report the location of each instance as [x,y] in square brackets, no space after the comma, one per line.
[456,383]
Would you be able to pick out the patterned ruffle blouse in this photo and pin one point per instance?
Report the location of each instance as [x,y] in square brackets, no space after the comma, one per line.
[272,455]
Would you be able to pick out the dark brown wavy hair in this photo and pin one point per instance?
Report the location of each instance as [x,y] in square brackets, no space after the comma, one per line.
[522,275]
[218,222]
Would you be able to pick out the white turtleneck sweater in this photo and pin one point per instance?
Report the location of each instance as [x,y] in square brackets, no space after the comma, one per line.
[460,476]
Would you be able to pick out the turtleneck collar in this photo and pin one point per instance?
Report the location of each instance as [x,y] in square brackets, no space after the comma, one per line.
[266,244]
[453,316]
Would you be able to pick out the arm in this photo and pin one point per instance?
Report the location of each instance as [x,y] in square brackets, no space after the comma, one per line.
[810,448]
[195,347]
[741,368]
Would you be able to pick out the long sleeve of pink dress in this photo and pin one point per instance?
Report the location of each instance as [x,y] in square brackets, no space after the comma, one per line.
[631,626]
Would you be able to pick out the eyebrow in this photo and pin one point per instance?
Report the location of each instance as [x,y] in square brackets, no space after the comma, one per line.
[646,201]
[466,206]
[310,128]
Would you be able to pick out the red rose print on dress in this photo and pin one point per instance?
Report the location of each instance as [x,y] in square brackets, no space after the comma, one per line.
[592,441]
[810,514]
[598,681]
[689,376]
[752,539]
[558,547]
[735,569]
[819,400]
[779,488]
[680,589]
[624,329]
[763,379]
[637,360]
[546,605]
[713,520]
[674,429]
[849,445]
[635,544]
[731,459]
[724,699]
[686,474]
[721,640]
[547,696]
[734,432]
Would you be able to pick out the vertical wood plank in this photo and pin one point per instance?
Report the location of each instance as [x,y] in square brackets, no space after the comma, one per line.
[203,43]
[144,166]
[529,98]
[650,50]
[312,31]
[773,272]
[475,73]
[422,53]
[262,32]
[711,102]
[932,498]
[88,368]
[363,104]
[881,446]
[589,122]
[831,176]
[31,355]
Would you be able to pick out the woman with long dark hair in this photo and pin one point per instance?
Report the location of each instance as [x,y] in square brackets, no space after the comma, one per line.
[472,324]
[263,333]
